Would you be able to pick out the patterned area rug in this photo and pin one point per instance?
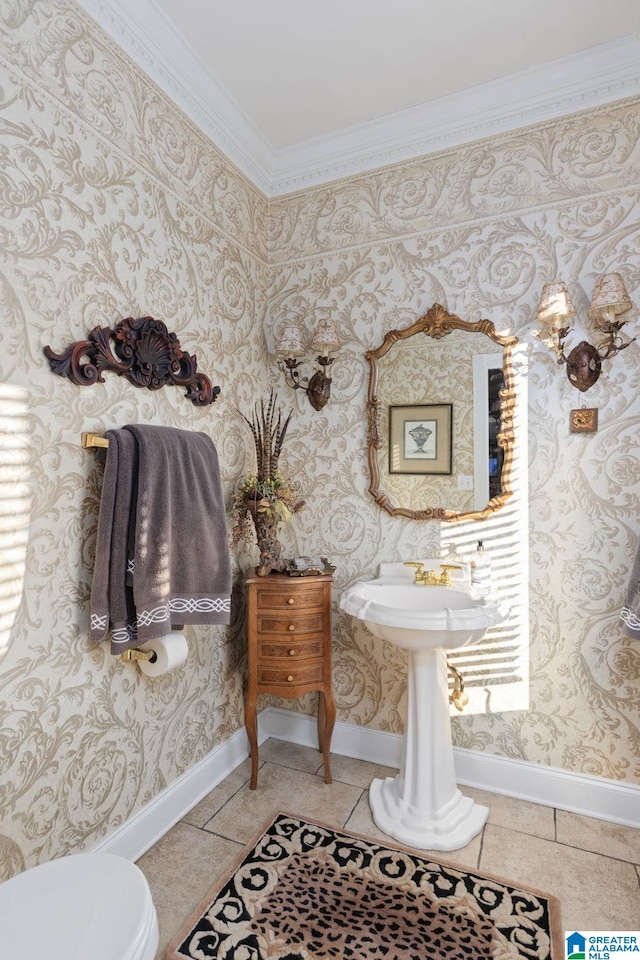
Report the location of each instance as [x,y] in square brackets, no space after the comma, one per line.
[303,891]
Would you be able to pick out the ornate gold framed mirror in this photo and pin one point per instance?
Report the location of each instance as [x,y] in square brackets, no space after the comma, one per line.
[441,363]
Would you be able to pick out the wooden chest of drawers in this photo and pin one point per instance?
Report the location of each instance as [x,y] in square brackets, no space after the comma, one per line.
[289,642]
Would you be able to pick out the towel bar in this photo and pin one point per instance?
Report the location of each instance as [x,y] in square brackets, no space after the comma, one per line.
[93,440]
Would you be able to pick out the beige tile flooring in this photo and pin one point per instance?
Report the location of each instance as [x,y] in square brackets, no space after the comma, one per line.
[590,865]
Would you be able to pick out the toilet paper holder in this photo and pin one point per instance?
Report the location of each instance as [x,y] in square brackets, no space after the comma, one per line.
[133,654]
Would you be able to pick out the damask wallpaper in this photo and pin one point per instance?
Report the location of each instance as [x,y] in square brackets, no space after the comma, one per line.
[480,228]
[112,204]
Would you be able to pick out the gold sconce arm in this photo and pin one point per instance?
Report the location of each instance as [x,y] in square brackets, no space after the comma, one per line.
[613,342]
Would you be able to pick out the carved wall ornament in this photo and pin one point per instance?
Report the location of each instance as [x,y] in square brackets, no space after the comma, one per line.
[144,352]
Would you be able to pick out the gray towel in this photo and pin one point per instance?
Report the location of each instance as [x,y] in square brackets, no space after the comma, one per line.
[182,564]
[111,596]
[630,613]
[162,555]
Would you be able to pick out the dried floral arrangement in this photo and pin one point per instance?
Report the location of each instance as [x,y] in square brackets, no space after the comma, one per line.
[267,496]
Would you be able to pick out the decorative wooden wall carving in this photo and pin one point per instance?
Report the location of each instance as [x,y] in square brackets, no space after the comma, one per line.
[144,352]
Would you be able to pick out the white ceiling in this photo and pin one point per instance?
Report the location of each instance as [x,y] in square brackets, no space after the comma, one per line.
[305,68]
[302,91]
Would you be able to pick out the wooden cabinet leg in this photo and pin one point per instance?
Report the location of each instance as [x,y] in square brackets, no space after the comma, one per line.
[251,724]
[321,720]
[326,708]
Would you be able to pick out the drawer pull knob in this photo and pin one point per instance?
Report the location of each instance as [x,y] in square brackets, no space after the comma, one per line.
[290,600]
[292,653]
[292,626]
[289,678]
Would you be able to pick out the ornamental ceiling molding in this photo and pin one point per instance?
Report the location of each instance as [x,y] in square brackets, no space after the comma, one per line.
[146,35]
[593,78]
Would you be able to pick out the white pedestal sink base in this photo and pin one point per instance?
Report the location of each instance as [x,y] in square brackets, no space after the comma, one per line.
[422,807]
[451,827]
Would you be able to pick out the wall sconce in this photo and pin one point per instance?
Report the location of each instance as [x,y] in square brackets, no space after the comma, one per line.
[609,302]
[317,387]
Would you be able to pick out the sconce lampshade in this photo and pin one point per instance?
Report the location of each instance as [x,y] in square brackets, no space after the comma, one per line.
[290,344]
[555,306]
[610,298]
[326,336]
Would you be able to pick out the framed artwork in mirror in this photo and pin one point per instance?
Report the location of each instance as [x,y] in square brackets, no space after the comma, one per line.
[420,438]
[429,365]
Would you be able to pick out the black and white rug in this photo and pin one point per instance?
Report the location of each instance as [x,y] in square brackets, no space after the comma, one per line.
[304,891]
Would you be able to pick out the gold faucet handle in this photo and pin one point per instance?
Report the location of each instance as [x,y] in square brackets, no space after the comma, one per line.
[445,576]
[420,574]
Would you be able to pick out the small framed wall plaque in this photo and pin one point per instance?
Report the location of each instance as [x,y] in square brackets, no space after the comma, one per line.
[584,420]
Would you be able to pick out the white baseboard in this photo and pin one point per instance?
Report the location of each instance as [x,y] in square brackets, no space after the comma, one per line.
[156,818]
[576,792]
[149,824]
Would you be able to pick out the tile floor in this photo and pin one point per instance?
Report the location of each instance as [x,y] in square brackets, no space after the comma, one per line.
[592,866]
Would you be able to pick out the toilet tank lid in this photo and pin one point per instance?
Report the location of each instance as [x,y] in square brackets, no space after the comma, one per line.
[92,904]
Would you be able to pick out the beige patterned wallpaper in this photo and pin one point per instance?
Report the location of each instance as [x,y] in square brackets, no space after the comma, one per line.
[112,204]
[480,228]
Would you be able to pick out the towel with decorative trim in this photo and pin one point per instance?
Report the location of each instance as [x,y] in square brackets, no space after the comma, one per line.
[111,604]
[630,613]
[162,537]
[182,563]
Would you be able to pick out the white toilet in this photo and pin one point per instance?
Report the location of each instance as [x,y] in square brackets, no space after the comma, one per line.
[90,906]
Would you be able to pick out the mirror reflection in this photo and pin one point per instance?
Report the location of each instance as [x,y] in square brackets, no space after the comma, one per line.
[440,418]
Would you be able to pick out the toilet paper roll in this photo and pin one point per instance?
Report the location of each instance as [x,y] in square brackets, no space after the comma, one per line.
[171,652]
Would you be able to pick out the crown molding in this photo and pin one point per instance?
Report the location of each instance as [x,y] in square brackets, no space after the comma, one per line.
[149,38]
[601,75]
[594,78]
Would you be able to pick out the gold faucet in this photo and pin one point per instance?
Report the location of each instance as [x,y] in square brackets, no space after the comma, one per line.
[428,577]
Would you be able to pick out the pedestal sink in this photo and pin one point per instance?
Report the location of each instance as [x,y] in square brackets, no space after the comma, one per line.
[422,807]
